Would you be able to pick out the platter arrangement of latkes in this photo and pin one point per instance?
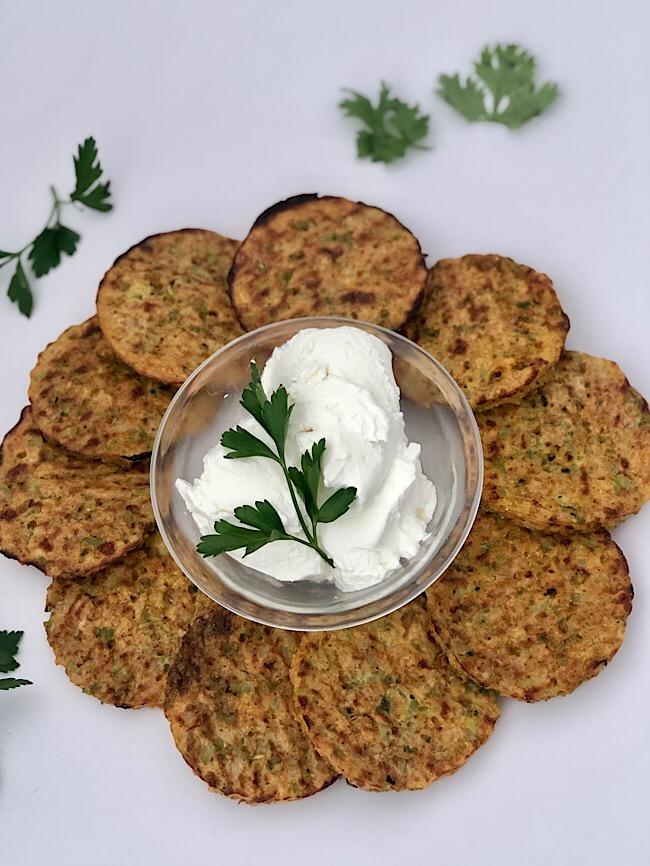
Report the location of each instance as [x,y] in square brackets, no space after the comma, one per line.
[535,603]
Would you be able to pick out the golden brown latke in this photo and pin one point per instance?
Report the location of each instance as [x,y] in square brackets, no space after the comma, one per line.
[575,453]
[529,615]
[84,398]
[116,631]
[230,706]
[382,704]
[66,515]
[310,256]
[496,325]
[164,306]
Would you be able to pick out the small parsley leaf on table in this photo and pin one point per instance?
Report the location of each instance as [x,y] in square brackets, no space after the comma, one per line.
[20,292]
[44,252]
[88,169]
[13,683]
[503,90]
[391,126]
[9,641]
[260,524]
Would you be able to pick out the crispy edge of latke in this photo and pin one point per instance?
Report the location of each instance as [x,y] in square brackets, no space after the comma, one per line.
[553,526]
[39,566]
[456,670]
[539,372]
[298,200]
[441,635]
[114,459]
[129,362]
[172,689]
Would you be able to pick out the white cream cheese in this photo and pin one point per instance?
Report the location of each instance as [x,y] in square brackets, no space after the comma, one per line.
[342,384]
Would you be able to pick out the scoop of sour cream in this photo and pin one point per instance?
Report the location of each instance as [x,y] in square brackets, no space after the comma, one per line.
[341,383]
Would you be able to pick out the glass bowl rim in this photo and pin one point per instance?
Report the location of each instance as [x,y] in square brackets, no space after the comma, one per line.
[349,614]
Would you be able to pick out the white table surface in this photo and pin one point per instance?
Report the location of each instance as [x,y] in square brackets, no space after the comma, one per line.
[205,113]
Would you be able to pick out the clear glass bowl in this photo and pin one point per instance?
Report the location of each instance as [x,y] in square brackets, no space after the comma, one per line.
[437,416]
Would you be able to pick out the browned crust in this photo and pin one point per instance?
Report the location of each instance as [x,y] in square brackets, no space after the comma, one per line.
[145,363]
[47,567]
[203,697]
[286,204]
[295,203]
[382,704]
[458,314]
[115,632]
[592,426]
[529,615]
[145,241]
[106,377]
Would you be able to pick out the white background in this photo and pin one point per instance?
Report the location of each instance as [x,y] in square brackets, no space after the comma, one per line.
[205,113]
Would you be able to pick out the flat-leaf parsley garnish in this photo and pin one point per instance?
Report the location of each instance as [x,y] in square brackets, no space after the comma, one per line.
[391,126]
[45,250]
[9,641]
[260,524]
[503,90]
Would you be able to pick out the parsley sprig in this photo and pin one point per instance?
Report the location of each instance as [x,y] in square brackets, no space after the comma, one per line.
[9,641]
[55,239]
[260,524]
[391,126]
[503,90]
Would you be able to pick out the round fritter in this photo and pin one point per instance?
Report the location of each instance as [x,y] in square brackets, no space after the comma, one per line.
[310,256]
[382,704]
[497,326]
[575,453]
[84,398]
[66,515]
[164,307]
[116,632]
[230,706]
[530,615]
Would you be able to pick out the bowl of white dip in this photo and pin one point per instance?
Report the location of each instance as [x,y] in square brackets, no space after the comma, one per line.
[397,429]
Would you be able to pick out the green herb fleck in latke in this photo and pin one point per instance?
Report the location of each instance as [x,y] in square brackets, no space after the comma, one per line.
[230,706]
[575,453]
[66,515]
[496,325]
[84,398]
[164,307]
[531,616]
[116,631]
[328,256]
[382,704]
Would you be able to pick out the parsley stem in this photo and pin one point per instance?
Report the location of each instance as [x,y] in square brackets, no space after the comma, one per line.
[314,546]
[320,550]
[295,501]
[55,209]
[314,536]
[312,540]
[311,536]
[10,258]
